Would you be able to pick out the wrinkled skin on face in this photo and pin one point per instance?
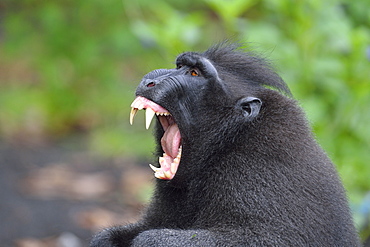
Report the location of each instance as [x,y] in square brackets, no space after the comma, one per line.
[180,99]
[237,164]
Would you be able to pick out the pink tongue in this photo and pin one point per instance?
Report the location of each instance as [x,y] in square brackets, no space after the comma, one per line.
[171,140]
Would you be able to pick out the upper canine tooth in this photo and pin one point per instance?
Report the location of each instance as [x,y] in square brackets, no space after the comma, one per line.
[149,114]
[132,114]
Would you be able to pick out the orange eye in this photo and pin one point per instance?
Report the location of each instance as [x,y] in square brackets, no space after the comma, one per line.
[194,73]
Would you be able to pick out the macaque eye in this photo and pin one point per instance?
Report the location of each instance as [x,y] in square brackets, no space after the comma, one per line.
[194,72]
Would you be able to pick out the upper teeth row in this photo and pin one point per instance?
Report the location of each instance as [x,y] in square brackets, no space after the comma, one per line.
[162,113]
[149,114]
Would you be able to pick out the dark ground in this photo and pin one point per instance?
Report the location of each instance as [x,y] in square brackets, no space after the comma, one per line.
[59,195]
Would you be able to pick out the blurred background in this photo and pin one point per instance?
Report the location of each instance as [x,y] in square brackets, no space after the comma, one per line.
[71,163]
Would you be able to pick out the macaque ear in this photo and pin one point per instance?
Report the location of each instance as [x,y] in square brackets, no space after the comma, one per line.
[250,107]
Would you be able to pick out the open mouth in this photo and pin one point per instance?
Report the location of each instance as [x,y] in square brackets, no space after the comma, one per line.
[170,141]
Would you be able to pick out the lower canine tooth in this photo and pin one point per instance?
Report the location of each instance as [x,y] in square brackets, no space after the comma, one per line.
[155,169]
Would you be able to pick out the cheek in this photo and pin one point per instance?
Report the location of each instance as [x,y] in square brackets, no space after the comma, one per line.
[190,107]
[188,90]
[184,95]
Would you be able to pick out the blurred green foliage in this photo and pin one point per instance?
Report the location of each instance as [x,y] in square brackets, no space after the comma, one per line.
[70,67]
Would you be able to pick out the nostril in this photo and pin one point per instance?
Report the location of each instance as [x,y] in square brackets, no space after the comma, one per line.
[151,84]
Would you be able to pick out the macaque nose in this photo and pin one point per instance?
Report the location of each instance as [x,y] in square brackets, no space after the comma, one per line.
[150,83]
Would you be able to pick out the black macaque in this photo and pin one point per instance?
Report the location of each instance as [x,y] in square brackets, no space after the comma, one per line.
[238,164]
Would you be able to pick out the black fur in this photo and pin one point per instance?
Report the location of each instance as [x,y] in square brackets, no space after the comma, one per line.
[251,173]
